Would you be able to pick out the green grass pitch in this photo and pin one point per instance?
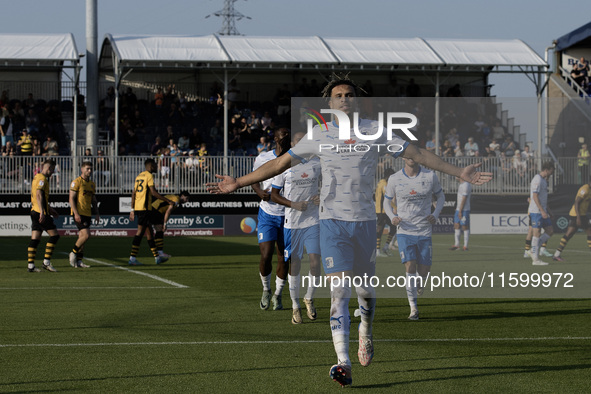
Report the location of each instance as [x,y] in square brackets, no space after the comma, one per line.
[193,324]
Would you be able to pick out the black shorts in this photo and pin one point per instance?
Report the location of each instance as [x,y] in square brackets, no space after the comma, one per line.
[47,224]
[144,218]
[84,222]
[585,222]
[157,218]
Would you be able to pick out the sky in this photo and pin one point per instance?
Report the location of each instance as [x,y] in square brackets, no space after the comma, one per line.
[536,22]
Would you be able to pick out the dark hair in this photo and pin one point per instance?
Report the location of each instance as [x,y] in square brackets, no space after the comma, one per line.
[388,172]
[51,162]
[149,161]
[185,193]
[285,141]
[86,164]
[340,79]
[548,165]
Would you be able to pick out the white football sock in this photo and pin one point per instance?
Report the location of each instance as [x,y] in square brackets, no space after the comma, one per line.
[535,248]
[457,234]
[367,306]
[411,290]
[314,284]
[279,285]
[294,290]
[466,237]
[340,322]
[266,280]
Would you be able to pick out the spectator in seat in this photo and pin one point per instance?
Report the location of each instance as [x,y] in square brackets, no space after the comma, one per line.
[25,143]
[102,169]
[447,150]
[253,122]
[50,147]
[519,165]
[458,152]
[452,136]
[9,147]
[37,150]
[430,145]
[184,143]
[155,149]
[263,145]
[495,147]
[471,147]
[164,166]
[191,162]
[508,146]
[581,73]
[6,126]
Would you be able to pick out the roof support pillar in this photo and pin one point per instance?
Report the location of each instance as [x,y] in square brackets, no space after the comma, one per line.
[92,99]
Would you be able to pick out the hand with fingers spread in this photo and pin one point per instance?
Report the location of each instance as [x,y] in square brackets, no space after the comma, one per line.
[472,175]
[227,185]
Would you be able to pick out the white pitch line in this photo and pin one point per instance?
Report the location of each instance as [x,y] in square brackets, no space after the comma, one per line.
[535,339]
[175,284]
[507,248]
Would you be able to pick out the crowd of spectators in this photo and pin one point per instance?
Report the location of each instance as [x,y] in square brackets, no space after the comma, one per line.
[580,74]
[171,121]
[32,127]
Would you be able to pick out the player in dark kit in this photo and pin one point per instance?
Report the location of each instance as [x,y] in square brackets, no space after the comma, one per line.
[141,200]
[161,211]
[42,218]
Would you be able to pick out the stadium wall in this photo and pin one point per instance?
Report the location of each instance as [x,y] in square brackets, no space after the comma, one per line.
[236,214]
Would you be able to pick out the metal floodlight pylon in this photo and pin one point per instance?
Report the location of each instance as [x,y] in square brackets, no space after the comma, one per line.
[230,16]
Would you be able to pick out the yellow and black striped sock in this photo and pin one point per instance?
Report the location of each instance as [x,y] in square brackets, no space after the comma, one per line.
[390,236]
[563,242]
[378,242]
[76,251]
[50,246]
[153,248]
[32,251]
[528,244]
[135,245]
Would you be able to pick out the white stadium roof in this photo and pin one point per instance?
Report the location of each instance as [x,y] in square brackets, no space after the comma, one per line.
[289,52]
[37,49]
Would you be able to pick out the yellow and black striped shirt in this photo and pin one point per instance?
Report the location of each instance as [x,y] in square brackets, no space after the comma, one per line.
[143,197]
[85,191]
[585,194]
[162,206]
[40,182]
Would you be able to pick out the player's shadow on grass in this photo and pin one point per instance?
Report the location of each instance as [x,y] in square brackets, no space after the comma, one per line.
[212,248]
[496,315]
[486,372]
[223,372]
[550,353]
